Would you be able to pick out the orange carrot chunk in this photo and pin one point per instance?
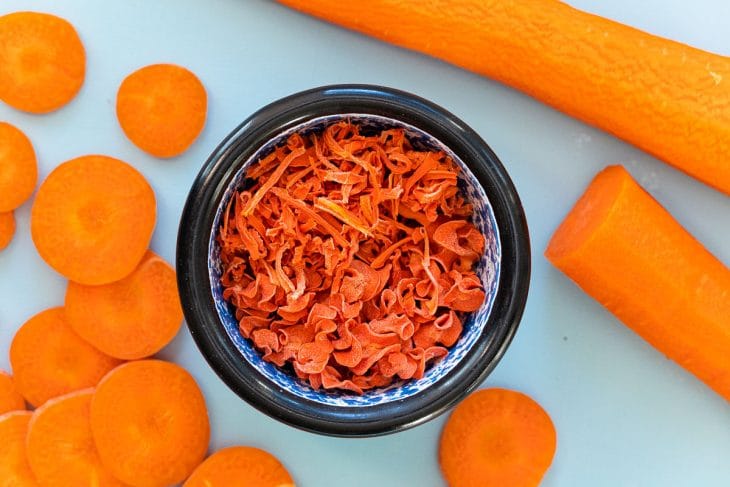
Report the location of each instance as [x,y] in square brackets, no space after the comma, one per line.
[14,468]
[7,228]
[666,98]
[60,449]
[627,252]
[43,61]
[240,466]
[50,360]
[497,437]
[10,398]
[150,423]
[18,167]
[162,109]
[128,319]
[92,219]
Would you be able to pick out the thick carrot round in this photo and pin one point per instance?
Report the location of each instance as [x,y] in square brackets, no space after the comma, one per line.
[59,445]
[92,219]
[240,466]
[150,423]
[162,109]
[627,252]
[14,468]
[10,398]
[132,318]
[666,98]
[7,228]
[42,61]
[497,437]
[18,167]
[50,360]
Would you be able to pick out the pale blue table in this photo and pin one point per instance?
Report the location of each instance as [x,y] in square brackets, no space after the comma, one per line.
[625,415]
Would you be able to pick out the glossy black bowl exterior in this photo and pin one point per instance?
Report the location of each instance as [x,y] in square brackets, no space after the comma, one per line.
[195,289]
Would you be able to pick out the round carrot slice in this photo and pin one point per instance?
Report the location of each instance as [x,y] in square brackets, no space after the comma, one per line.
[498,436]
[50,360]
[7,228]
[43,61]
[10,398]
[18,167]
[14,468]
[59,445]
[162,109]
[92,219]
[128,319]
[240,466]
[150,423]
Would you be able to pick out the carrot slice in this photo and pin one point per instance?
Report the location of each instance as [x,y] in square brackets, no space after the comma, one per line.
[18,167]
[240,466]
[60,448]
[92,219]
[150,423]
[14,468]
[10,398]
[627,252]
[162,109]
[7,228]
[43,61]
[498,436]
[49,359]
[128,319]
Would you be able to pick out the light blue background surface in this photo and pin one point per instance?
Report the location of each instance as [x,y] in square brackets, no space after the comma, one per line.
[625,415]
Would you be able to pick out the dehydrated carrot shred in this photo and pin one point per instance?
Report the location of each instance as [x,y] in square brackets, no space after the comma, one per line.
[349,258]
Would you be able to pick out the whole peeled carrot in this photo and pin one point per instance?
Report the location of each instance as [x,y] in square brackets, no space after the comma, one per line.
[667,98]
[627,252]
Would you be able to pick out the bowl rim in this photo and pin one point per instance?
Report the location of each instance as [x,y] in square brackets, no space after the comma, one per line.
[194,284]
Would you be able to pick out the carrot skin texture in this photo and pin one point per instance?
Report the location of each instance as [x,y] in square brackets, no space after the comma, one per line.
[667,98]
[627,252]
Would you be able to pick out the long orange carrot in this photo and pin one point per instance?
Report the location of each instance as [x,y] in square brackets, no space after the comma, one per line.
[59,445]
[497,437]
[627,252]
[150,423]
[42,61]
[668,99]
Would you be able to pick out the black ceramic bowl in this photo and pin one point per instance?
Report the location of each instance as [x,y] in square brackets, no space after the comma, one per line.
[504,269]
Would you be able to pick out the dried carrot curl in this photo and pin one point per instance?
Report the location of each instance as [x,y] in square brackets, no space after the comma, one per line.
[349,258]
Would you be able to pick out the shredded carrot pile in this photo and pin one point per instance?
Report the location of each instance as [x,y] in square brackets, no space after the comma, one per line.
[350,257]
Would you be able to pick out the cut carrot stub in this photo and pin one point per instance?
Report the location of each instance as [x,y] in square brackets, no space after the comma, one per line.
[150,423]
[128,319]
[10,398]
[60,448]
[92,219]
[43,61]
[18,167]
[50,360]
[162,109]
[240,466]
[14,468]
[7,228]
[497,437]
[627,252]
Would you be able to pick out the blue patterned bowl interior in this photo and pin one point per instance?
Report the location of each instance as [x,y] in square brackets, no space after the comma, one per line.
[488,271]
